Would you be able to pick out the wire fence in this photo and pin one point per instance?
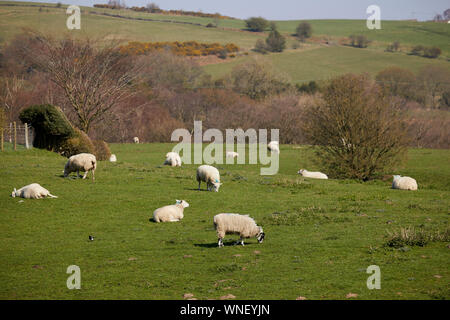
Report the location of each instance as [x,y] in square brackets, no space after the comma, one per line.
[16,135]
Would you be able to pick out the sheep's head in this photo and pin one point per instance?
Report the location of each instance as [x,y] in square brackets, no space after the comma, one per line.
[301,171]
[14,193]
[260,235]
[216,185]
[396,177]
[183,203]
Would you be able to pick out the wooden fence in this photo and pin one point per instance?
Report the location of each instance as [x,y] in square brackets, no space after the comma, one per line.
[16,134]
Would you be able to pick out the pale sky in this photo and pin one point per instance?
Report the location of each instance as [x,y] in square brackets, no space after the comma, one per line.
[296,9]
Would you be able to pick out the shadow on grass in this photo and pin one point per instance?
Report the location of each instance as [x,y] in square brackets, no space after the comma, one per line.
[196,189]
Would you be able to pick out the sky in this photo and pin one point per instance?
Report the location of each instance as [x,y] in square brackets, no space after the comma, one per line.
[296,9]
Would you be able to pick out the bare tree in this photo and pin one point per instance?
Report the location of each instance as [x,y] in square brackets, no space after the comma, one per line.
[93,77]
[10,87]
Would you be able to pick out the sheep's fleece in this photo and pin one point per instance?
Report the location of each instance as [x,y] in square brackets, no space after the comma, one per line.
[81,162]
[210,175]
[171,213]
[404,183]
[233,223]
[32,191]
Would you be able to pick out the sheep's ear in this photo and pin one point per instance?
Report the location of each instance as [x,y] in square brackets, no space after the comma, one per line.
[178,201]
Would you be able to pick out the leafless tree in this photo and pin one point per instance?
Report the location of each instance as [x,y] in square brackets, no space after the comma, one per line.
[93,76]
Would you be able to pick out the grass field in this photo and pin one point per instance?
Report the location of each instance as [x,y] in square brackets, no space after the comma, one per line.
[320,235]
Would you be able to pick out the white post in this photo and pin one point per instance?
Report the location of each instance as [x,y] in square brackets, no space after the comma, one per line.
[10,132]
[26,137]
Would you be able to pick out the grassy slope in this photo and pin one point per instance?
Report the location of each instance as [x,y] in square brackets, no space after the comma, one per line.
[335,231]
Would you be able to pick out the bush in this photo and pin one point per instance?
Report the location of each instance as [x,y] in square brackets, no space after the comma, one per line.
[78,143]
[394,47]
[51,127]
[310,87]
[357,130]
[260,46]
[257,24]
[275,42]
[102,151]
[211,25]
[303,31]
[359,41]
[397,81]
[417,50]
[432,52]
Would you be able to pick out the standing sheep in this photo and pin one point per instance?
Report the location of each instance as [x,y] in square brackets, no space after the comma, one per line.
[313,175]
[84,161]
[170,213]
[210,175]
[233,223]
[173,159]
[113,158]
[136,140]
[273,146]
[404,183]
[32,191]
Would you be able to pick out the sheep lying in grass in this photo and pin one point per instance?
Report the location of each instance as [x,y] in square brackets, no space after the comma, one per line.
[273,146]
[233,223]
[170,213]
[81,162]
[404,183]
[113,158]
[314,175]
[32,191]
[173,159]
[136,140]
[232,154]
[210,175]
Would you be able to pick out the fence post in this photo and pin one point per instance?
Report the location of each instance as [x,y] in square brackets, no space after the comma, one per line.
[15,136]
[26,137]
[10,132]
[1,138]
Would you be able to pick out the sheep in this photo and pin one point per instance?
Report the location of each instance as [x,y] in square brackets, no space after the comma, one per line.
[404,183]
[113,158]
[273,146]
[32,191]
[173,159]
[136,140]
[232,154]
[84,162]
[170,213]
[313,175]
[233,223]
[210,175]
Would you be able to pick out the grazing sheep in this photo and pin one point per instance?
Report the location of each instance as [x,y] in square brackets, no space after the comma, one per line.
[32,191]
[84,161]
[232,154]
[404,183]
[313,175]
[113,158]
[136,140]
[210,175]
[173,159]
[273,146]
[233,223]
[170,213]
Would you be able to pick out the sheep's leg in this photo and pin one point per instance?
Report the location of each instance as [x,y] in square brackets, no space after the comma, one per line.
[78,173]
[240,241]
[93,176]
[199,183]
[85,174]
[220,243]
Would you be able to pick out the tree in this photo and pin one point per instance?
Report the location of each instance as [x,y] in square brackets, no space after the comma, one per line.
[257,24]
[260,46]
[275,42]
[434,81]
[152,7]
[446,14]
[397,81]
[92,78]
[257,79]
[359,41]
[303,31]
[357,131]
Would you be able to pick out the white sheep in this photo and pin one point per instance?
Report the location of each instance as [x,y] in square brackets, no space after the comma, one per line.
[404,183]
[32,191]
[170,213]
[314,175]
[273,146]
[173,159]
[136,140]
[231,154]
[233,223]
[81,162]
[210,175]
[113,158]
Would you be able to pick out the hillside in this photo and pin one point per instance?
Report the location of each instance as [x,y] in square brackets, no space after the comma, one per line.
[314,60]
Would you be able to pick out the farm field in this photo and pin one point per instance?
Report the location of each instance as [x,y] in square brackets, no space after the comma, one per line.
[320,235]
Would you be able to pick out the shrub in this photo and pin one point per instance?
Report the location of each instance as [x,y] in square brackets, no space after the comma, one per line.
[357,130]
[275,42]
[417,50]
[359,41]
[211,25]
[51,126]
[397,81]
[394,47]
[310,87]
[432,52]
[257,24]
[260,46]
[415,237]
[303,31]
[78,143]
[102,151]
